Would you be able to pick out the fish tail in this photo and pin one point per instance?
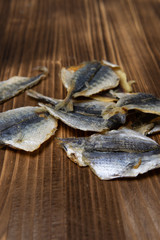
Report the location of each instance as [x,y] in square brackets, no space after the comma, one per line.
[33,94]
[65,102]
[61,105]
[69,106]
[42,69]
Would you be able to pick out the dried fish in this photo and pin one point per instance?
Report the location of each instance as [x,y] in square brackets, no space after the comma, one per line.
[89,115]
[67,74]
[125,140]
[103,78]
[86,107]
[17,84]
[110,165]
[26,128]
[77,120]
[80,78]
[92,107]
[140,101]
[40,97]
[118,153]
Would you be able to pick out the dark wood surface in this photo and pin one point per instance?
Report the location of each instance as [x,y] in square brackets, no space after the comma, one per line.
[43,195]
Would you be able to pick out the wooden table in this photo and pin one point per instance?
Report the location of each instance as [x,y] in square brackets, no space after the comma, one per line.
[43,195]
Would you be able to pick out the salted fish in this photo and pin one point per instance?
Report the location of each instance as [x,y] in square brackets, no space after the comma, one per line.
[92,107]
[110,165]
[86,107]
[103,78]
[126,86]
[13,86]
[80,78]
[26,128]
[86,118]
[42,98]
[77,120]
[140,101]
[118,153]
[123,140]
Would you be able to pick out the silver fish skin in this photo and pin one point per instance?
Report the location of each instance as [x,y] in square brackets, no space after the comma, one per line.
[119,153]
[88,69]
[77,120]
[26,128]
[140,101]
[80,78]
[104,79]
[86,107]
[13,86]
[110,165]
[67,74]
[123,140]
[92,107]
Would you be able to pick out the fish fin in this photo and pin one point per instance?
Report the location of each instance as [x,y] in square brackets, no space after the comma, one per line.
[108,109]
[42,69]
[33,94]
[66,101]
[61,105]
[69,106]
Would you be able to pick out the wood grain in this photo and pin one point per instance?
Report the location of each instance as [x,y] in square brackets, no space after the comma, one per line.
[43,195]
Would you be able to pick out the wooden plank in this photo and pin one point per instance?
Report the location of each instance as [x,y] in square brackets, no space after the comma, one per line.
[43,194]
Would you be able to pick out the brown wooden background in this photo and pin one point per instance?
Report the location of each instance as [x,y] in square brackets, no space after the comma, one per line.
[43,195]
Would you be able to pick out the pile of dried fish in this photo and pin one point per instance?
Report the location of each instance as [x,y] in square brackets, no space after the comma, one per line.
[99,99]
